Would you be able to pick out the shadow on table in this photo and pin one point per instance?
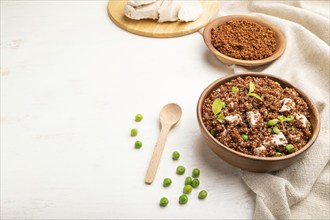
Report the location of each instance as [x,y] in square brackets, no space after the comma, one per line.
[210,159]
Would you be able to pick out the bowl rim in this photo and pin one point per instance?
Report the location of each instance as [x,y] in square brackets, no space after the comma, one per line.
[214,23]
[312,109]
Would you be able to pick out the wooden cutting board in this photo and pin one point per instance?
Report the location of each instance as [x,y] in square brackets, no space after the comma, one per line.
[151,28]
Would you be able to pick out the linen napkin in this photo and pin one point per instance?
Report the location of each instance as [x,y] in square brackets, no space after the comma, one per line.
[301,190]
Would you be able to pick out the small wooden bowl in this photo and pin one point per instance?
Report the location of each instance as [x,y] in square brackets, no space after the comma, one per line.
[255,163]
[229,60]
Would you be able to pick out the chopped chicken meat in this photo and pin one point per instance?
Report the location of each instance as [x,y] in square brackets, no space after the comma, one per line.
[302,118]
[277,139]
[143,12]
[287,104]
[258,150]
[190,11]
[253,118]
[233,118]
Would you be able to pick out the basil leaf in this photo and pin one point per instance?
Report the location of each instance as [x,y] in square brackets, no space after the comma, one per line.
[213,132]
[254,95]
[281,118]
[216,106]
[220,117]
[251,89]
[290,118]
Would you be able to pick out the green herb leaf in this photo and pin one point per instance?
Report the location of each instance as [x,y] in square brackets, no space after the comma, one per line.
[281,118]
[213,132]
[276,130]
[216,106]
[290,118]
[284,119]
[220,117]
[272,122]
[251,89]
[235,89]
[255,95]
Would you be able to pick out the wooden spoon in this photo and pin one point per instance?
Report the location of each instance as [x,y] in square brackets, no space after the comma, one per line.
[169,116]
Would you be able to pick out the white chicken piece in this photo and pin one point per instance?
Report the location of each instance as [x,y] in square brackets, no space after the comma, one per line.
[302,118]
[253,118]
[287,104]
[258,150]
[233,118]
[169,10]
[190,11]
[143,12]
[277,139]
[136,3]
[231,104]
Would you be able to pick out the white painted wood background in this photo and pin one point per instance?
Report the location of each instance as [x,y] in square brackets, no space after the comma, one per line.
[71,83]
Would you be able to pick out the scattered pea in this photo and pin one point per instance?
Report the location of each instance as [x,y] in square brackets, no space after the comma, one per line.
[276,130]
[245,137]
[277,154]
[234,89]
[138,117]
[289,148]
[195,173]
[183,199]
[175,155]
[187,189]
[195,183]
[188,180]
[180,170]
[138,144]
[167,182]
[163,202]
[272,122]
[202,194]
[134,132]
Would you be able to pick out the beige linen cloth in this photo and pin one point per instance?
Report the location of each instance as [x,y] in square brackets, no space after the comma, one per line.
[300,191]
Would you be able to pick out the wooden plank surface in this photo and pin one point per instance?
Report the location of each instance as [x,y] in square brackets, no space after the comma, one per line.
[152,28]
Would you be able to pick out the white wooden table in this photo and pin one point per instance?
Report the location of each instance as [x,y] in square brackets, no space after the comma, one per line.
[71,84]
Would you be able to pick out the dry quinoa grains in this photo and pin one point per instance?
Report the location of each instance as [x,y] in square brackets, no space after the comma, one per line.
[261,127]
[243,39]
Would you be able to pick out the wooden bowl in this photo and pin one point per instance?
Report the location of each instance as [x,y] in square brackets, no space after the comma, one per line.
[279,37]
[255,163]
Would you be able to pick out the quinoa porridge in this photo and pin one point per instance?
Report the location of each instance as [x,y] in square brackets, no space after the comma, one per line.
[256,116]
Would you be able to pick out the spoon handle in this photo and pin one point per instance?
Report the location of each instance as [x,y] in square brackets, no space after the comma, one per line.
[155,159]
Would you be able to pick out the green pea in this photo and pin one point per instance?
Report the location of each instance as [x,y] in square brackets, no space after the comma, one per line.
[167,182]
[202,194]
[134,132]
[138,144]
[277,154]
[183,199]
[276,130]
[195,183]
[175,155]
[188,180]
[163,202]
[180,170]
[234,89]
[187,189]
[213,132]
[245,137]
[138,117]
[289,148]
[195,173]
[272,122]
